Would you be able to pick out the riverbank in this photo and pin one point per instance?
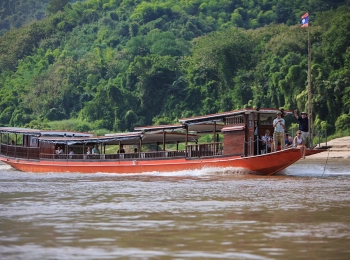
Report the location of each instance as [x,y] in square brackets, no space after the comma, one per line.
[340,149]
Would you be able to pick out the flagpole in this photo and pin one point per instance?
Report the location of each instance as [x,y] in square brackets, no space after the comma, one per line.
[309,87]
[305,23]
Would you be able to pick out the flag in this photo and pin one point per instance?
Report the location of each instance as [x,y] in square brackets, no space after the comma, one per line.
[305,20]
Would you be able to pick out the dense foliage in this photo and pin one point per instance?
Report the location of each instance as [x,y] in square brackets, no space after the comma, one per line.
[115,64]
[16,13]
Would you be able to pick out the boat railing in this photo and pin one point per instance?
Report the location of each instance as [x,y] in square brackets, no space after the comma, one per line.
[204,150]
[16,151]
[61,156]
[118,156]
[34,154]
[162,154]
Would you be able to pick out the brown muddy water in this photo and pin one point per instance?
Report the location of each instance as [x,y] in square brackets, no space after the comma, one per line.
[301,213]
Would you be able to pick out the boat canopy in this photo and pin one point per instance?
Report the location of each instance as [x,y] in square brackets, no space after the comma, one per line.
[70,140]
[233,128]
[220,117]
[167,128]
[64,133]
[36,132]
[199,128]
[19,130]
[130,138]
[158,136]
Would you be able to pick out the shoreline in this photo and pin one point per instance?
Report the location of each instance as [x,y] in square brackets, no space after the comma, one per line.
[340,149]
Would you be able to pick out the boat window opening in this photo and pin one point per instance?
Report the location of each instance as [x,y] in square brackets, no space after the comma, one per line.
[250,120]
[203,150]
[265,119]
[234,120]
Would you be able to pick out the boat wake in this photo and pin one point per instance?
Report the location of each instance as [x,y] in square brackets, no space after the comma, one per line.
[208,171]
[5,167]
[204,172]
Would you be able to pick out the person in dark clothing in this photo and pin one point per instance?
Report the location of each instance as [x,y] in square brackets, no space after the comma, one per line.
[288,141]
[121,149]
[303,125]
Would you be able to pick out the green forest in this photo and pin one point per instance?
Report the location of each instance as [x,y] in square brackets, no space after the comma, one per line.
[110,65]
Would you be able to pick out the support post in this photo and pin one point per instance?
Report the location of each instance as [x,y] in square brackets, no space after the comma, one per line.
[309,88]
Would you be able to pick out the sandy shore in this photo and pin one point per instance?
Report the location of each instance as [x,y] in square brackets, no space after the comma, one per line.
[340,149]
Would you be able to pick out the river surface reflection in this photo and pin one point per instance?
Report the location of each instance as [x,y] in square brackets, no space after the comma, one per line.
[302,213]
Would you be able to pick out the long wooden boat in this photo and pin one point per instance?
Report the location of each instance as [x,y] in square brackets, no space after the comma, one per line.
[34,150]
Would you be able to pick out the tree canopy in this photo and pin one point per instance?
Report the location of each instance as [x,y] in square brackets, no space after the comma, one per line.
[115,64]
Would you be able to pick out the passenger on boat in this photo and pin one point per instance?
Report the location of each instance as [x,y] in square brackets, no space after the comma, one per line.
[266,142]
[13,142]
[279,146]
[59,150]
[288,142]
[279,126]
[71,153]
[88,151]
[95,150]
[303,125]
[269,120]
[121,149]
[299,143]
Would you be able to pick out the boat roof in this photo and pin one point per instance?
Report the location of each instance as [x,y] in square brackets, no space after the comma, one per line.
[130,138]
[197,128]
[156,137]
[36,132]
[65,133]
[219,117]
[209,123]
[19,130]
[85,140]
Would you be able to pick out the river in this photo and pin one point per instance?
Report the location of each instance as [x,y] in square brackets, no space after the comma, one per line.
[301,213]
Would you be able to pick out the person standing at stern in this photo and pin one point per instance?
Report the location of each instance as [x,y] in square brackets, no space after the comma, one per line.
[303,125]
[279,126]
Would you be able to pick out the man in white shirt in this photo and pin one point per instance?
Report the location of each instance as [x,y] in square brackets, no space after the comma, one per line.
[59,150]
[71,153]
[279,126]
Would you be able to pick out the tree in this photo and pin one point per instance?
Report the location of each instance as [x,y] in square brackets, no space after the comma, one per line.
[56,6]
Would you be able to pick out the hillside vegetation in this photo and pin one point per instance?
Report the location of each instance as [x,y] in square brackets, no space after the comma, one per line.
[116,64]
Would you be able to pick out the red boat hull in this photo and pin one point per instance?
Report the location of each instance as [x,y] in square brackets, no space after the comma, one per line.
[266,164]
[314,151]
